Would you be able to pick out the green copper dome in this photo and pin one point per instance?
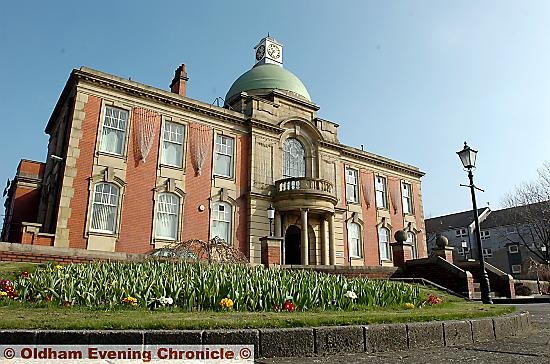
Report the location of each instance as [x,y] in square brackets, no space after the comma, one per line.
[268,76]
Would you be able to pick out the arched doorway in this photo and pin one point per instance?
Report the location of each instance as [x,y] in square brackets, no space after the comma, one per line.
[293,245]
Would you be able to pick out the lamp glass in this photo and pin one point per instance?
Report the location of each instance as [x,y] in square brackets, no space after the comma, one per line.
[464,243]
[270,212]
[467,156]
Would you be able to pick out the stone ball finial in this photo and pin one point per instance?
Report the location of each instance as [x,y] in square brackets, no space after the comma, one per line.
[442,241]
[400,236]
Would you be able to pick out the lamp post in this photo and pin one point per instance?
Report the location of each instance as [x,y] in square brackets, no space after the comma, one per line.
[270,217]
[468,159]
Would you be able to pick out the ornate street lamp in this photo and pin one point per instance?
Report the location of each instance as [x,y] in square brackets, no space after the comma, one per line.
[468,159]
[270,217]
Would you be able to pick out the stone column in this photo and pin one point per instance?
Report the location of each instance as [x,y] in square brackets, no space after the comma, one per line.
[324,242]
[282,231]
[331,244]
[305,243]
[277,229]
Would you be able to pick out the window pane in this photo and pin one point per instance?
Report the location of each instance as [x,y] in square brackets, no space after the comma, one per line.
[221,221]
[172,145]
[383,240]
[104,208]
[351,185]
[224,156]
[354,239]
[167,216]
[294,159]
[381,200]
[113,136]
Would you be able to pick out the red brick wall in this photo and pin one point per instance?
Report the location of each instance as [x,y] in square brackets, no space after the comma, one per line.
[84,163]
[197,189]
[370,233]
[31,168]
[394,189]
[419,214]
[243,172]
[136,224]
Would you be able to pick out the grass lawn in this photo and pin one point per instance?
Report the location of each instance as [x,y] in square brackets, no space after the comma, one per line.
[15,315]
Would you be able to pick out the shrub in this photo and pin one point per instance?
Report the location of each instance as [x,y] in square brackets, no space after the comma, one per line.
[523,291]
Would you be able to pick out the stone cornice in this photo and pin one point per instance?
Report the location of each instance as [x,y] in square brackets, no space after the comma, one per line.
[265,126]
[140,90]
[373,159]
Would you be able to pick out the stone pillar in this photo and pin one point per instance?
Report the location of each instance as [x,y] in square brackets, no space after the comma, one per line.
[305,242]
[324,242]
[271,250]
[331,244]
[443,249]
[401,250]
[277,229]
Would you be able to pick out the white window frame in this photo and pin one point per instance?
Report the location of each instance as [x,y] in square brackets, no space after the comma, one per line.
[165,209]
[381,192]
[225,218]
[513,249]
[224,149]
[108,126]
[105,203]
[488,252]
[406,193]
[485,234]
[516,268]
[411,239]
[173,135]
[461,232]
[463,250]
[352,185]
[384,246]
[354,241]
[294,166]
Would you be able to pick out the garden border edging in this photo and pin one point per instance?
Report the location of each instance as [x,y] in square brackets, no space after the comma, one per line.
[306,341]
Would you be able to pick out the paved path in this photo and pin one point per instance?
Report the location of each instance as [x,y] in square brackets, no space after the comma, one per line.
[532,347]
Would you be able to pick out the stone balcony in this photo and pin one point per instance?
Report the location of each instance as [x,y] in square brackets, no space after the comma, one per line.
[304,192]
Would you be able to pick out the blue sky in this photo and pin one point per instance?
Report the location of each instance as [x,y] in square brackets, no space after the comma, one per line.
[410,80]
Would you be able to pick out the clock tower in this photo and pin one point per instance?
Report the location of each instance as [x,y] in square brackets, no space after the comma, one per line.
[269,51]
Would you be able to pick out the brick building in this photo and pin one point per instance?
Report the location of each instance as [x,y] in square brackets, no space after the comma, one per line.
[131,168]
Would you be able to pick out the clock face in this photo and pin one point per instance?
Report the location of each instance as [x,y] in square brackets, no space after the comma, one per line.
[273,51]
[260,52]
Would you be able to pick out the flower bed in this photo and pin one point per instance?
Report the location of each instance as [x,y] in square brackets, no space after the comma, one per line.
[195,287]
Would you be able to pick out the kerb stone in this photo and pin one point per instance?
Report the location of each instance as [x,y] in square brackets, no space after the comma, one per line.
[482,330]
[343,339]
[425,335]
[386,337]
[286,342]
[176,337]
[457,333]
[233,337]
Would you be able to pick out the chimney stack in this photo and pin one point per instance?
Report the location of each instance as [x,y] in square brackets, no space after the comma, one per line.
[179,83]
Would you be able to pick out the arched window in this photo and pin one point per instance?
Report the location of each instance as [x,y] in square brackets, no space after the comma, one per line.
[354,240]
[167,219]
[221,221]
[294,159]
[411,239]
[104,208]
[384,243]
